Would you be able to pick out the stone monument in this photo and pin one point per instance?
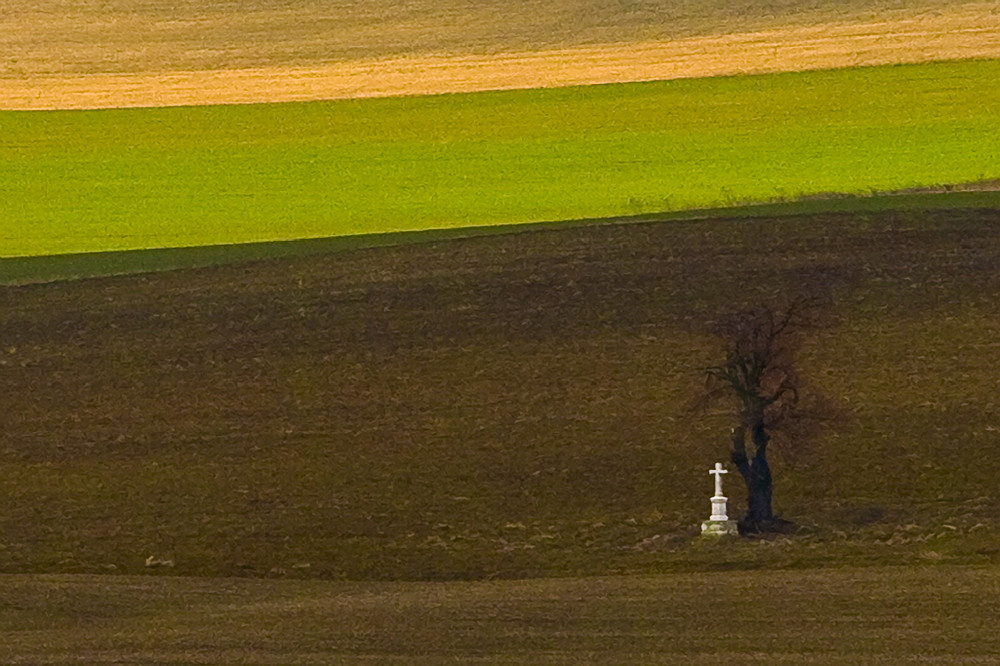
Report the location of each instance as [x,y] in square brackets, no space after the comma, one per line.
[718,524]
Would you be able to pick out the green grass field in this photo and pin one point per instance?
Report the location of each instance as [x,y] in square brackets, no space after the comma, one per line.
[124,179]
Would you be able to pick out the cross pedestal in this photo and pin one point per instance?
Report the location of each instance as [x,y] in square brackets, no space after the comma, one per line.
[718,524]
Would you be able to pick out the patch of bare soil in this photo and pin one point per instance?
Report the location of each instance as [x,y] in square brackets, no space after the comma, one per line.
[960,32]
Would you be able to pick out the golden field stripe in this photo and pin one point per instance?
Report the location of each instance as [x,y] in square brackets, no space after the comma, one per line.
[970,31]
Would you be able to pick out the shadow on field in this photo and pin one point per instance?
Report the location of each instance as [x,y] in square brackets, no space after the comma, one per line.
[503,406]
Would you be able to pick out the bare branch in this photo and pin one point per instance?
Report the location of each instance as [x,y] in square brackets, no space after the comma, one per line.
[759,369]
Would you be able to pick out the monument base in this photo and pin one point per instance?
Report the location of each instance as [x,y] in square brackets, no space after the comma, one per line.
[718,528]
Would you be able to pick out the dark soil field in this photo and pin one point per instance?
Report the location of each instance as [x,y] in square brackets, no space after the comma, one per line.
[503,406]
[847,616]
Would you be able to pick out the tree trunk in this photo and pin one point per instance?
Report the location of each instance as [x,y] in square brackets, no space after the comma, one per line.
[756,475]
[759,484]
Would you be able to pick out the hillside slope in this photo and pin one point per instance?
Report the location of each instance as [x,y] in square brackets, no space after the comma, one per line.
[501,406]
[74,54]
[192,176]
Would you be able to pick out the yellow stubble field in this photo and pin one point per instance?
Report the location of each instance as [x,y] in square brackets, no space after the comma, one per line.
[77,54]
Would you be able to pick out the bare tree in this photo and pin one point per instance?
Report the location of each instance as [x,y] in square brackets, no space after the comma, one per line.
[760,377]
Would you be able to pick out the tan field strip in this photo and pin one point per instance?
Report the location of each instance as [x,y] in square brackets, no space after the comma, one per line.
[966,31]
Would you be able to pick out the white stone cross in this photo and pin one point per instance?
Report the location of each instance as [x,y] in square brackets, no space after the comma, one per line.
[718,523]
[718,472]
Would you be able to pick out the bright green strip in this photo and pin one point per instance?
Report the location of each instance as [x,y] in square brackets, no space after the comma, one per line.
[83,181]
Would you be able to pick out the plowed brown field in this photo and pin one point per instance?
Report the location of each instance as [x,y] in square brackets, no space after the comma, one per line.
[47,67]
[831,618]
[498,406]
